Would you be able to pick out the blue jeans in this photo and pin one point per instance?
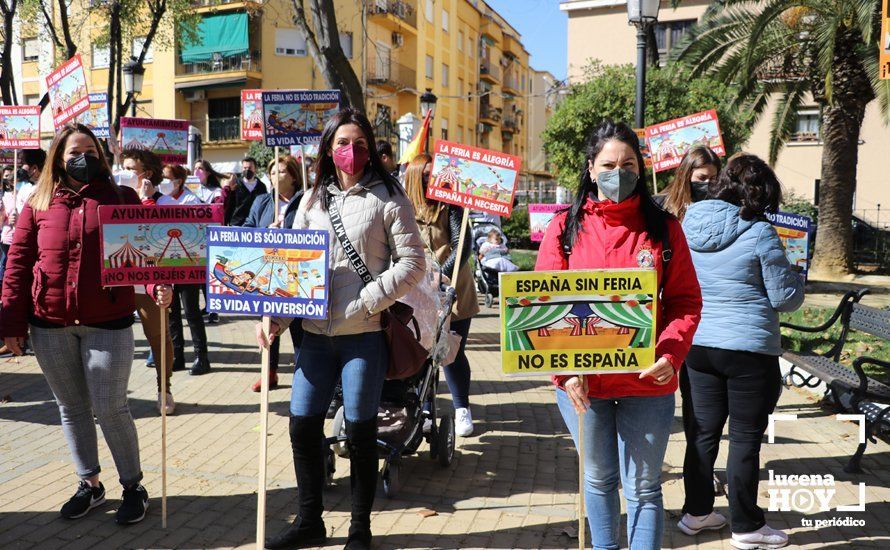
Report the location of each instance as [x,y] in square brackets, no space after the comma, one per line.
[359,359]
[627,436]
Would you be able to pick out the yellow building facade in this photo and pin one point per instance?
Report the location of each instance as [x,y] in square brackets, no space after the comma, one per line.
[461,50]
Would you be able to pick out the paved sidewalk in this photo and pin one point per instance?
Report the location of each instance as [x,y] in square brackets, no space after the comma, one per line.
[513,484]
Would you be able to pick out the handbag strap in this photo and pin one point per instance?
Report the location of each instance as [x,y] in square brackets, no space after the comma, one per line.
[340,230]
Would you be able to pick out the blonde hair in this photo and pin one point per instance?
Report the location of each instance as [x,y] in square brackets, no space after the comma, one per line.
[54,170]
[291,166]
[425,210]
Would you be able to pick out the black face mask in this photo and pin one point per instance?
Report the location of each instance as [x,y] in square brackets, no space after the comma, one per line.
[700,190]
[84,168]
[248,174]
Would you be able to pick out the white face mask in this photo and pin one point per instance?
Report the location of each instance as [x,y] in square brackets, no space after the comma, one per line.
[166,187]
[126,178]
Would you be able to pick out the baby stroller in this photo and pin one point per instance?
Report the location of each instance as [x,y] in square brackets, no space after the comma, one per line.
[486,278]
[404,421]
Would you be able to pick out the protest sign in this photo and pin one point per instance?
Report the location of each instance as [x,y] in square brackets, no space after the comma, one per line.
[168,139]
[644,147]
[155,244]
[68,93]
[794,231]
[251,115]
[884,45]
[669,141]
[474,178]
[571,322]
[539,216]
[19,126]
[279,272]
[295,117]
[310,151]
[7,156]
[96,118]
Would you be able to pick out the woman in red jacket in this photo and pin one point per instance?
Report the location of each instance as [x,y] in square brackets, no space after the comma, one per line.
[627,417]
[81,332]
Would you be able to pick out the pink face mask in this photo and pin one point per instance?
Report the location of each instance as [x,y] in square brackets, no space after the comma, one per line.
[351,158]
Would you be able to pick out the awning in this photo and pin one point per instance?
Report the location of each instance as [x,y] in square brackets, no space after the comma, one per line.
[223,33]
[206,83]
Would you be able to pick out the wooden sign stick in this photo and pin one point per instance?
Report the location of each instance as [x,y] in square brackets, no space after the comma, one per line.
[264,430]
[582,520]
[163,374]
[654,181]
[276,185]
[460,247]
[15,178]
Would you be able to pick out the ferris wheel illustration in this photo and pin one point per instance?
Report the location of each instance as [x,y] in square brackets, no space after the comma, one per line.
[161,241]
[272,273]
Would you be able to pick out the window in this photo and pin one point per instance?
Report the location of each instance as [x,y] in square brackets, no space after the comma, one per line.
[444,75]
[460,134]
[523,82]
[101,56]
[346,43]
[31,99]
[444,20]
[429,10]
[460,41]
[444,128]
[224,118]
[429,67]
[668,35]
[30,50]
[460,86]
[136,48]
[470,47]
[807,127]
[290,43]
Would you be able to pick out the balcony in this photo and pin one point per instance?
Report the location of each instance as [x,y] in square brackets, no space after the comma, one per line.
[388,74]
[512,46]
[490,115]
[219,3]
[510,125]
[394,12]
[489,71]
[511,84]
[219,130]
[247,63]
[491,30]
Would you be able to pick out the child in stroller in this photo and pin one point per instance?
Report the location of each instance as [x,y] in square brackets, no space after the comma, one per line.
[494,254]
[485,275]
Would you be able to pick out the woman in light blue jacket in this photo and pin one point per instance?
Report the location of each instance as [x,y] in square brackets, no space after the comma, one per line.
[732,369]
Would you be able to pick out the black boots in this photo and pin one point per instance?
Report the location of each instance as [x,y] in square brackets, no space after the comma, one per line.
[362,443]
[199,342]
[307,442]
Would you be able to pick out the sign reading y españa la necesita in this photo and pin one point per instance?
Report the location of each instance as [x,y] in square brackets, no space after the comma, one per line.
[578,322]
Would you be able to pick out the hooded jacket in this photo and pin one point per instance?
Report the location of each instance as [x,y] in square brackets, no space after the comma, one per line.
[613,235]
[745,277]
[382,230]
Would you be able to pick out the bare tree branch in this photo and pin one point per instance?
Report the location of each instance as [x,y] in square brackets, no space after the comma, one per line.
[7,78]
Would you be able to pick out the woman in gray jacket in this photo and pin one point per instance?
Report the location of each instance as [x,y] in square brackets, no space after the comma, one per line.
[732,369]
[378,221]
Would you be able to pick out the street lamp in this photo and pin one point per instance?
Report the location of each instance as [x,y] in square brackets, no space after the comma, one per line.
[428,104]
[133,75]
[641,14]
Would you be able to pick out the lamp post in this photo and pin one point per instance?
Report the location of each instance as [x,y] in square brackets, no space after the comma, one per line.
[641,14]
[428,103]
[134,72]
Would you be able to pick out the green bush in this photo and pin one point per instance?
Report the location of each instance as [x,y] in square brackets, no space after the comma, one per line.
[517,228]
[796,204]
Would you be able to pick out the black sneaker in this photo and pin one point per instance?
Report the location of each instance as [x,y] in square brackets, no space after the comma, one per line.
[85,499]
[213,318]
[133,506]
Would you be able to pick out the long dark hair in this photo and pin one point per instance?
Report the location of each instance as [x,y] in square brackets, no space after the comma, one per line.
[654,217]
[214,178]
[749,182]
[326,172]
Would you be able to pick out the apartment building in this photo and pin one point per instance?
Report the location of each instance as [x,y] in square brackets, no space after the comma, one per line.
[598,29]
[462,50]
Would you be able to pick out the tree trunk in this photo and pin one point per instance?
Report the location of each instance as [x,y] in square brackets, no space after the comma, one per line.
[114,16]
[842,117]
[7,78]
[323,42]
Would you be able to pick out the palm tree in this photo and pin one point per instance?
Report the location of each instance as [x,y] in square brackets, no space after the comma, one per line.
[789,52]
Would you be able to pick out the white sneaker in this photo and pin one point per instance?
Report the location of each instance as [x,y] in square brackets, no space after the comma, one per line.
[463,422]
[171,405]
[693,525]
[765,537]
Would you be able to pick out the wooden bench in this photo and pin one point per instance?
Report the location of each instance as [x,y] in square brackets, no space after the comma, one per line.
[851,389]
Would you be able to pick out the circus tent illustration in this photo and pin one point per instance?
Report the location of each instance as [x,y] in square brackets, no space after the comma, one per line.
[539,322]
[255,120]
[135,145]
[127,256]
[666,150]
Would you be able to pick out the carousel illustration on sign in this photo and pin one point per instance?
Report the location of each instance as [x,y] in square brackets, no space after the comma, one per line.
[267,271]
[578,321]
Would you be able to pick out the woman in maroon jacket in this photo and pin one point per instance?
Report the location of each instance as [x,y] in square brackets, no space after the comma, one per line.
[81,332]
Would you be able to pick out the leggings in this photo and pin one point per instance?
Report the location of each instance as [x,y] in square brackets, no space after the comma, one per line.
[458,373]
[87,370]
[150,314]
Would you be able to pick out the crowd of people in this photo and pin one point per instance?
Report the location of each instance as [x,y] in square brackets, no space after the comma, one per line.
[722,274]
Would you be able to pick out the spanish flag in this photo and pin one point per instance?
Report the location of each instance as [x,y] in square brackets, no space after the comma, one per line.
[418,144]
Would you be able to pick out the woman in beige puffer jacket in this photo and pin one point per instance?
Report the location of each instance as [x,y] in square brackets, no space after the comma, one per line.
[378,220]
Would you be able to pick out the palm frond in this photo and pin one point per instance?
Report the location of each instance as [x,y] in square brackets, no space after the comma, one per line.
[785,118]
